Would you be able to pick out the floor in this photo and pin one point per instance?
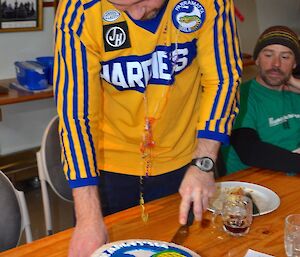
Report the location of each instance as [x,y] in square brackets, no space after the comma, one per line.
[62,211]
[21,168]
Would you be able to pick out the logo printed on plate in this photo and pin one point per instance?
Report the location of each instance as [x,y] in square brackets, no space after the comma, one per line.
[111,15]
[145,248]
[116,36]
[188,16]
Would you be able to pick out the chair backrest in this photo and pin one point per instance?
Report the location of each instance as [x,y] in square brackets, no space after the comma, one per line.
[51,161]
[14,215]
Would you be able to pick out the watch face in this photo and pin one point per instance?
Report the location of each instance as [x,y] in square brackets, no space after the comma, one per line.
[205,164]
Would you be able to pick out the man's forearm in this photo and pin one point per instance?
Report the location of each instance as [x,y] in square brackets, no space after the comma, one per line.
[87,205]
[90,232]
[198,186]
[254,152]
[208,148]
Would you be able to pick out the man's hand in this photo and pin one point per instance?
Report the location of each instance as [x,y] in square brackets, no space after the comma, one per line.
[297,151]
[90,232]
[86,239]
[293,85]
[197,186]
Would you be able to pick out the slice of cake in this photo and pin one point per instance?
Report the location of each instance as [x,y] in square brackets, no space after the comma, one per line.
[143,248]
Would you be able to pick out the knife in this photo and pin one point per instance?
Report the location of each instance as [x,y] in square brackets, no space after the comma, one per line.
[255,207]
[183,231]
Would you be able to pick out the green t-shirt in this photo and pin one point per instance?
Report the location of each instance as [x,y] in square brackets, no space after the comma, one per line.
[275,115]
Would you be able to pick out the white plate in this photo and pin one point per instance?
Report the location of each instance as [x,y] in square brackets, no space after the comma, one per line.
[265,199]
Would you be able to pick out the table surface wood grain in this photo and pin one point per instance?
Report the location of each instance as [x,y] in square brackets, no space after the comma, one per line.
[266,234]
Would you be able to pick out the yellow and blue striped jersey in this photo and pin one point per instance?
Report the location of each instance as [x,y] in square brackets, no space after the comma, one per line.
[181,68]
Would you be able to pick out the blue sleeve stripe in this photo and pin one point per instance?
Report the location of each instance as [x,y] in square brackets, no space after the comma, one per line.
[57,78]
[226,20]
[76,111]
[218,63]
[233,112]
[55,33]
[64,153]
[73,103]
[94,181]
[90,4]
[221,137]
[80,27]
[237,56]
[229,68]
[74,14]
[65,96]
[65,15]
[75,94]
[86,105]
[234,38]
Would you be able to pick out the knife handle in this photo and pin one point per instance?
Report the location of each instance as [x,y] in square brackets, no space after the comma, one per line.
[190,218]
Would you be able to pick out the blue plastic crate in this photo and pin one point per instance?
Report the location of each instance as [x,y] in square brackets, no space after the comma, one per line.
[32,75]
[47,61]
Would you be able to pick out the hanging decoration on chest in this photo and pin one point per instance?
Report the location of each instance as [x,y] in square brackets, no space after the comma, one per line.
[153,113]
[147,145]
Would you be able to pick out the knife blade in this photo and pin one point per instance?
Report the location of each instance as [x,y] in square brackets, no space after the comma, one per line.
[183,231]
[255,207]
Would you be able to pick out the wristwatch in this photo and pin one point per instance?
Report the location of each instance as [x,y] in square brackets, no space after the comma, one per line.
[205,164]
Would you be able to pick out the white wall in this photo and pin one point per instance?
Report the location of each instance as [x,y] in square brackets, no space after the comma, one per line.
[278,12]
[248,29]
[23,124]
[22,46]
[261,14]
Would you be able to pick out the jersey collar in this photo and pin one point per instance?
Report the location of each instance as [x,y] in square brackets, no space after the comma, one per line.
[152,24]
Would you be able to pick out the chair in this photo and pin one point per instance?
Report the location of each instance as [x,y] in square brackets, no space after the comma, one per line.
[14,215]
[51,172]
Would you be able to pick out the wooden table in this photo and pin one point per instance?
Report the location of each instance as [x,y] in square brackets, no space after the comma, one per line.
[266,234]
[19,96]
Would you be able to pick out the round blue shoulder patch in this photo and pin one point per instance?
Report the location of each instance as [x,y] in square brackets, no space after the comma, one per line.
[188,16]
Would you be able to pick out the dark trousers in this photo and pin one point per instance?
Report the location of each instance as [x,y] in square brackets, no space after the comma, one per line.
[119,191]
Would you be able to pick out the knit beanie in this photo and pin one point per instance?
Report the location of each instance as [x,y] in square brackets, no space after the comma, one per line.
[281,35]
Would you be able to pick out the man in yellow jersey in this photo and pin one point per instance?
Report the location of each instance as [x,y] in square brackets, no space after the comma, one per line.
[146,92]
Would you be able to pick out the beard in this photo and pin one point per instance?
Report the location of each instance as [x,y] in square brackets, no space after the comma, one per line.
[274,77]
[150,15]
